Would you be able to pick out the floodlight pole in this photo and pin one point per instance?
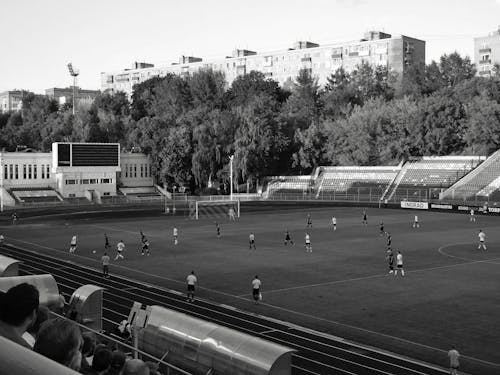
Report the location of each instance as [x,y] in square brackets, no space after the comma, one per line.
[74,73]
[231,158]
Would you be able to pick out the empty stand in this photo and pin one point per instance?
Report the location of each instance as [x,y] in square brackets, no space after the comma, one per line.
[289,184]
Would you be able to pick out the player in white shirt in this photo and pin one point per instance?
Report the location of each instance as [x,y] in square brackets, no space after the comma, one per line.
[399,264]
[72,245]
[120,246]
[472,217]
[482,238]
[191,280]
[175,233]
[415,222]
[251,241]
[232,214]
[334,223]
[307,238]
[256,285]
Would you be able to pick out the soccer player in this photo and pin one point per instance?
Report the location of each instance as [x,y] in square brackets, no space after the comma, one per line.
[107,246]
[334,223]
[288,238]
[382,231]
[415,222]
[482,238]
[175,233]
[251,241]
[389,240]
[472,217]
[120,246]
[232,214]
[399,264]
[72,244]
[309,221]
[145,246]
[217,228]
[2,238]
[454,356]
[390,258]
[105,265]
[307,238]
[256,284]
[14,218]
[191,280]
[365,217]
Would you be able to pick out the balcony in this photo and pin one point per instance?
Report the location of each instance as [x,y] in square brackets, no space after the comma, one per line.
[306,59]
[485,50]
[353,54]
[336,55]
[485,62]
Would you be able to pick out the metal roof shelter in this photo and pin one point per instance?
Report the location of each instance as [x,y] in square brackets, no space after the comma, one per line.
[86,301]
[9,266]
[46,285]
[207,348]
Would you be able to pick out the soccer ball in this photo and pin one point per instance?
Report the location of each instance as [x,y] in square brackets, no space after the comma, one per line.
[93,251]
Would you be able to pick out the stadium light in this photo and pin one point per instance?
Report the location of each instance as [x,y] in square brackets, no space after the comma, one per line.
[74,73]
[231,158]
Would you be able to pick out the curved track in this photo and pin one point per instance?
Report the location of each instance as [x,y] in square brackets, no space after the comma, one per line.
[316,353]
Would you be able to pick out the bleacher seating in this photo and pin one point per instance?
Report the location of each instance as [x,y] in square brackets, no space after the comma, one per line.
[482,183]
[355,179]
[289,184]
[35,195]
[140,192]
[428,176]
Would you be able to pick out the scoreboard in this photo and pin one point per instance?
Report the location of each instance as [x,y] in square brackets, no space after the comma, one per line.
[87,154]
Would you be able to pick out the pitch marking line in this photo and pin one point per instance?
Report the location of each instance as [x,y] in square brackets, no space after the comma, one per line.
[442,252]
[297,312]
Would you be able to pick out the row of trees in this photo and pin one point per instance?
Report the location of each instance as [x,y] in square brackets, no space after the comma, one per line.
[191,125]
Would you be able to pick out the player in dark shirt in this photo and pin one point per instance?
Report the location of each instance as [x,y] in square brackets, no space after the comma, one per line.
[288,238]
[309,221]
[390,259]
[382,231]
[389,240]
[217,227]
[365,218]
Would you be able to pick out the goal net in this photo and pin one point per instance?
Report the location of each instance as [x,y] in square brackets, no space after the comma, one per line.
[223,209]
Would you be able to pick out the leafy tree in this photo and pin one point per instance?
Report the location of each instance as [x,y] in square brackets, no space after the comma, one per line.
[455,68]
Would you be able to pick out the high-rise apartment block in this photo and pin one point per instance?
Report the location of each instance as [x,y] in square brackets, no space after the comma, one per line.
[376,48]
[487,53]
[11,100]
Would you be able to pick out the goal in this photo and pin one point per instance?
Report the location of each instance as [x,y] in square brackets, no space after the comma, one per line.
[217,209]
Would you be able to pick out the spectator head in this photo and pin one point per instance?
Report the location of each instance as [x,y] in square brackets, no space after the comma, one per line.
[102,358]
[42,315]
[117,362]
[89,344]
[61,341]
[135,367]
[19,305]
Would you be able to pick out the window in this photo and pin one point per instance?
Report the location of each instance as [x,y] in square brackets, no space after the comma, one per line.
[35,167]
[43,172]
[47,171]
[106,193]
[126,170]
[11,170]
[5,170]
[70,182]
[135,170]
[93,181]
[29,171]
[142,173]
[72,195]
[106,180]
[24,171]
[16,168]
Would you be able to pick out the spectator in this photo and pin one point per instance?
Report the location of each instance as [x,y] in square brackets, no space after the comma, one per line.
[454,357]
[153,368]
[61,341]
[117,363]
[18,312]
[101,361]
[135,367]
[88,348]
[42,315]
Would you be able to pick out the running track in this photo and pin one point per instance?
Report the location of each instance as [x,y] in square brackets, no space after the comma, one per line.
[316,353]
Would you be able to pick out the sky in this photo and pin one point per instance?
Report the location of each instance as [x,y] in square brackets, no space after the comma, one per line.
[39,37]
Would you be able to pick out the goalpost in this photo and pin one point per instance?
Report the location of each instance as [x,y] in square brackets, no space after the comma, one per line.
[217,209]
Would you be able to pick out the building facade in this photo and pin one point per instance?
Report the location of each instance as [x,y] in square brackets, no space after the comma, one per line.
[376,48]
[487,53]
[65,95]
[75,170]
[11,100]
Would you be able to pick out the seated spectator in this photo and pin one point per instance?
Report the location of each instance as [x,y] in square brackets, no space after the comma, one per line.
[61,341]
[18,312]
[117,363]
[88,348]
[101,361]
[135,367]
[124,329]
[42,315]
[154,368]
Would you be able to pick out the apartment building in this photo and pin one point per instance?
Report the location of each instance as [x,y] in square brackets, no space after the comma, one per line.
[487,53]
[11,100]
[376,48]
[65,95]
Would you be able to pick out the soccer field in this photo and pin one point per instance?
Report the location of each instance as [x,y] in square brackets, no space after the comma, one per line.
[449,295]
